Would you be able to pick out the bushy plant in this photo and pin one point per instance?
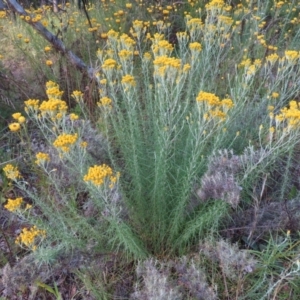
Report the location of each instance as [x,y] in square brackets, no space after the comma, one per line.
[182,135]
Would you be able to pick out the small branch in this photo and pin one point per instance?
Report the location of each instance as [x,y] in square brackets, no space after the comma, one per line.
[54,40]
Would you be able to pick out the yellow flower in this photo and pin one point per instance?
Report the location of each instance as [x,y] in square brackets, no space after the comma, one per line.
[77,95]
[209,98]
[275,95]
[65,141]
[227,102]
[98,175]
[14,127]
[11,172]
[28,237]
[186,68]
[195,46]
[128,79]
[109,64]
[104,101]
[41,158]
[21,120]
[31,104]
[26,41]
[47,49]
[291,55]
[74,117]
[16,116]
[128,5]
[49,63]
[83,144]
[13,204]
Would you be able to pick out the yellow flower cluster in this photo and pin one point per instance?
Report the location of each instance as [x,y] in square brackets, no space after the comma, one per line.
[52,90]
[41,158]
[28,237]
[31,105]
[166,65]
[73,117]
[216,107]
[292,55]
[194,24]
[77,95]
[65,141]
[209,98]
[162,47]
[195,47]
[165,61]
[109,64]
[125,54]
[215,4]
[98,175]
[11,172]
[53,107]
[225,20]
[128,80]
[13,204]
[104,101]
[126,41]
[16,125]
[272,58]
[291,115]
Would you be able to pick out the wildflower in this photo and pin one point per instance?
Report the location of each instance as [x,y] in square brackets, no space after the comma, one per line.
[98,175]
[13,204]
[195,47]
[215,4]
[77,95]
[21,120]
[16,116]
[83,144]
[291,55]
[162,47]
[186,68]
[65,141]
[104,101]
[47,49]
[109,64]
[31,105]
[128,5]
[128,79]
[227,102]
[53,107]
[275,95]
[49,63]
[74,117]
[41,158]
[19,35]
[209,98]
[26,41]
[125,54]
[147,56]
[11,172]
[14,127]
[28,237]
[272,58]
